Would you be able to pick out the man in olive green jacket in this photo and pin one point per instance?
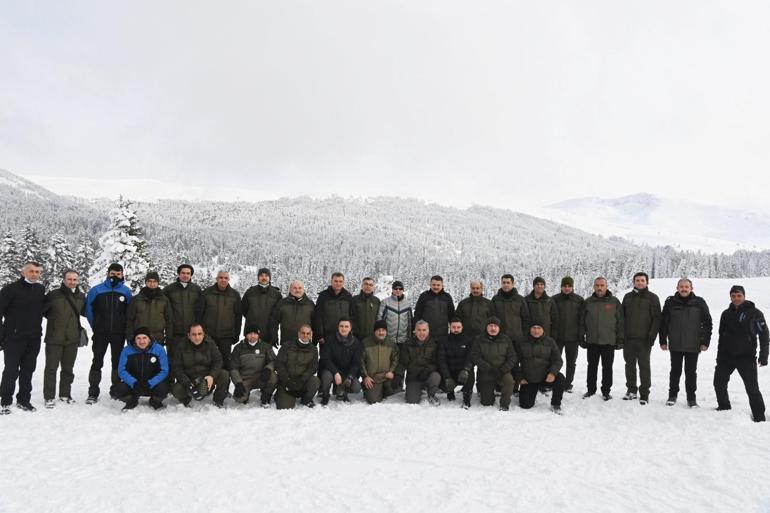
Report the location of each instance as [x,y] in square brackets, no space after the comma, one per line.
[183,295]
[150,309]
[63,308]
[641,321]
[258,303]
[474,311]
[570,306]
[219,311]
[511,308]
[379,361]
[495,358]
[198,360]
[541,306]
[366,307]
[539,364]
[418,359]
[296,365]
[601,326]
[252,367]
[290,313]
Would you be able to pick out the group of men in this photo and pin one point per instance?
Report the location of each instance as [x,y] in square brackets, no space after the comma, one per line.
[184,340]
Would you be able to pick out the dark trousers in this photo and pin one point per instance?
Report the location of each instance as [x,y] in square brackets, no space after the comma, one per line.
[225,346]
[124,392]
[690,373]
[59,355]
[747,368]
[606,354]
[285,399]
[528,392]
[20,357]
[101,342]
[221,387]
[327,379]
[637,353]
[570,357]
[467,387]
[486,388]
[254,382]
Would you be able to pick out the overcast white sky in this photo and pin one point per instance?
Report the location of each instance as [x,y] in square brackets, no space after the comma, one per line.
[500,103]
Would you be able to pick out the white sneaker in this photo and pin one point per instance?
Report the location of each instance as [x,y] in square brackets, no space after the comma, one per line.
[67,400]
[50,403]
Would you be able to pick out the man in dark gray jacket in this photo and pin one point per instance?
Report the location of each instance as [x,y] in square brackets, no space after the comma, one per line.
[685,332]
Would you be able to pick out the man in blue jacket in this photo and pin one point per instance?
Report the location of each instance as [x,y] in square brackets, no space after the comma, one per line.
[143,369]
[106,307]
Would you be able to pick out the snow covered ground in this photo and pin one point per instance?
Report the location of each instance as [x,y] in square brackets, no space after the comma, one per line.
[614,457]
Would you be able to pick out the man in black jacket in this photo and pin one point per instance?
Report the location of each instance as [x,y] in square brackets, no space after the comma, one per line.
[685,332]
[340,363]
[435,306]
[258,303]
[454,362]
[21,309]
[739,328]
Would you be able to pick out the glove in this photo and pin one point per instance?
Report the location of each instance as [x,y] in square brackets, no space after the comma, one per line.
[265,375]
[450,384]
[239,390]
[199,389]
[347,382]
[462,377]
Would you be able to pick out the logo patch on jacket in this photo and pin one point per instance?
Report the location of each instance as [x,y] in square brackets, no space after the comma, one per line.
[153,360]
[256,352]
[121,298]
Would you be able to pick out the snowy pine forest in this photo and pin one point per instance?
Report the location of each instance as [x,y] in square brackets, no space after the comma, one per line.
[308,239]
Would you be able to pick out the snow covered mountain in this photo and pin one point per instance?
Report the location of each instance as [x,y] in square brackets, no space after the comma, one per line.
[680,223]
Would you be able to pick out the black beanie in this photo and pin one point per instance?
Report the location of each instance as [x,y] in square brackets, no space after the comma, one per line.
[141,331]
[397,284]
[493,320]
[535,321]
[115,267]
[381,325]
[266,271]
[152,275]
[250,328]
[737,288]
[567,280]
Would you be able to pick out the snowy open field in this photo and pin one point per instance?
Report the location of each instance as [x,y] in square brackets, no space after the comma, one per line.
[614,457]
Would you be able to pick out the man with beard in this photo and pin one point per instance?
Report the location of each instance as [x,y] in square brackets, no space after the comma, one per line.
[340,363]
[474,310]
[183,296]
[258,303]
[252,367]
[511,308]
[641,313]
[333,303]
[150,309]
[219,311]
[435,306]
[685,332]
[739,328]
[290,313]
[379,361]
[494,357]
[454,362]
[106,309]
